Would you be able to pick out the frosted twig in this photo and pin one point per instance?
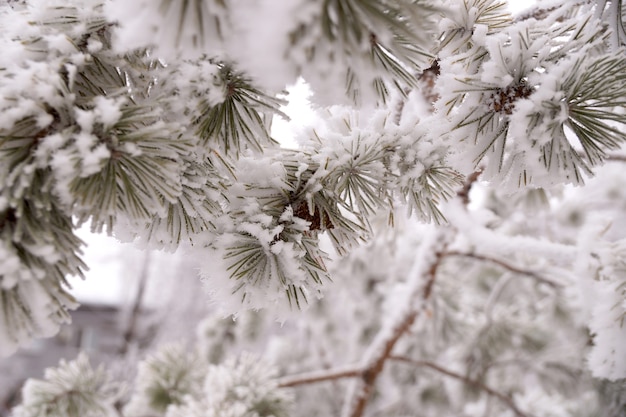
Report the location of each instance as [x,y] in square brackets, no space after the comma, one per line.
[505,399]
[507,266]
[417,292]
[320,376]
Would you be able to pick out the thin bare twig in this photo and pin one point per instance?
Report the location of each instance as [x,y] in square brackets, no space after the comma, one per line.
[320,376]
[505,399]
[507,266]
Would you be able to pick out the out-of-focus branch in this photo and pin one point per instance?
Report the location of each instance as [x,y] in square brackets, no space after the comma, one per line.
[320,376]
[419,289]
[507,266]
[131,328]
[505,399]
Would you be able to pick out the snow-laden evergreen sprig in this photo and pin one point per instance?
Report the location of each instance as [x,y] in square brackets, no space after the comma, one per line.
[79,130]
[358,174]
[38,250]
[135,169]
[167,378]
[81,38]
[481,102]
[238,121]
[278,208]
[527,87]
[178,29]
[320,184]
[38,244]
[462,20]
[613,12]
[82,141]
[577,117]
[376,42]
[268,241]
[424,193]
[370,164]
[573,29]
[191,217]
[280,266]
[420,175]
[73,389]
[594,93]
[31,309]
[241,387]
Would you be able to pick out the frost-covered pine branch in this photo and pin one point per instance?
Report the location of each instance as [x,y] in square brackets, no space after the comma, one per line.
[152,122]
[72,389]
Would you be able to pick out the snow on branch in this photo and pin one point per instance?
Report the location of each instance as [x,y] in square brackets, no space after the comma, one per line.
[418,290]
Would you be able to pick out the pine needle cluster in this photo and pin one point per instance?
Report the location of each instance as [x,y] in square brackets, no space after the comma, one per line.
[534,105]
